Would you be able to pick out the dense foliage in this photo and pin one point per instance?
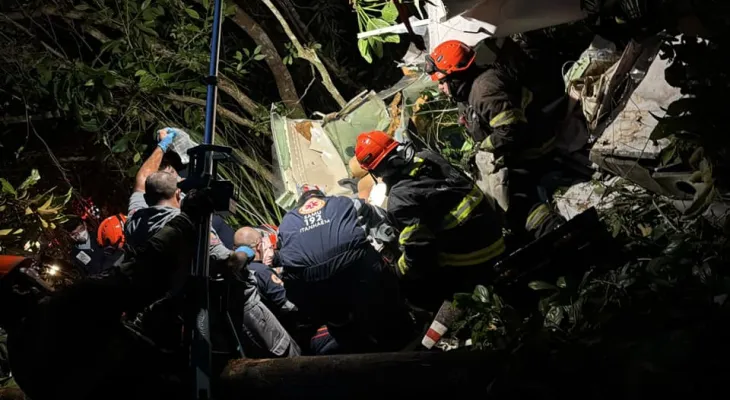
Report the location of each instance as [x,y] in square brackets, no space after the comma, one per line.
[86,83]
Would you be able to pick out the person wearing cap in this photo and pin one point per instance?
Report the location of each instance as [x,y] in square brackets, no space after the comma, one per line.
[502,113]
[333,273]
[450,233]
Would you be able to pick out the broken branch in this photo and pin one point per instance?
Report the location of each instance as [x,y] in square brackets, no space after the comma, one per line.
[308,54]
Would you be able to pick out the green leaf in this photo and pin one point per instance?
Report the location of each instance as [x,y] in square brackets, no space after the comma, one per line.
[247,53]
[150,14]
[364,48]
[376,23]
[82,7]
[30,180]
[110,80]
[5,232]
[68,195]
[674,125]
[136,157]
[7,187]
[257,49]
[238,56]
[389,12]
[47,203]
[146,30]
[259,57]
[377,49]
[206,4]
[132,171]
[18,231]
[192,13]
[90,82]
[481,294]
[121,145]
[541,285]
[561,282]
[146,4]
[681,106]
[391,38]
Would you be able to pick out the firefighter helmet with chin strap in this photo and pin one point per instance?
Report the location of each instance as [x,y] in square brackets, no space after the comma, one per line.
[372,148]
[449,57]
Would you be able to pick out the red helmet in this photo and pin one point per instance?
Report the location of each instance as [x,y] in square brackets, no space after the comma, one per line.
[111,231]
[449,57]
[372,147]
[8,263]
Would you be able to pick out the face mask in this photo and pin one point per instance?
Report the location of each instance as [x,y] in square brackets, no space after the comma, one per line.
[80,237]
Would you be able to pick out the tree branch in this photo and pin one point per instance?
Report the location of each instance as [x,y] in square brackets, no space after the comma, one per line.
[23,119]
[256,110]
[341,73]
[222,111]
[309,55]
[225,84]
[282,77]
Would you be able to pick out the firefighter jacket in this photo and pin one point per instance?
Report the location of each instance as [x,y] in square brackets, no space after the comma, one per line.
[500,112]
[324,235]
[443,218]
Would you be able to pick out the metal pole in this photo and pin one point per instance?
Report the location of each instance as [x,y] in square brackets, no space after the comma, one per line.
[200,344]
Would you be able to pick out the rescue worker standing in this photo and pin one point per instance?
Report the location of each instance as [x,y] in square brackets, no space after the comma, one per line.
[334,275]
[450,234]
[508,120]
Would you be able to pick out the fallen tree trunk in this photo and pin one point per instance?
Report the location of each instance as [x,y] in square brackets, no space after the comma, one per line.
[362,375]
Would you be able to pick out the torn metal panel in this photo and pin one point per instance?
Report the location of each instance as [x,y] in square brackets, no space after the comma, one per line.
[628,134]
[583,196]
[410,94]
[624,146]
[473,21]
[318,151]
[367,114]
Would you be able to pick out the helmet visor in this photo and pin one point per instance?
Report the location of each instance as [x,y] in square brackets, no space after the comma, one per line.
[436,73]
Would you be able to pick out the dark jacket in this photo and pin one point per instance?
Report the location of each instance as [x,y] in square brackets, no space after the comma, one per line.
[88,257]
[503,114]
[325,235]
[271,288]
[443,218]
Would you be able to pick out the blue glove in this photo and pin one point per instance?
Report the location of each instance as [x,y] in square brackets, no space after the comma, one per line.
[245,249]
[167,141]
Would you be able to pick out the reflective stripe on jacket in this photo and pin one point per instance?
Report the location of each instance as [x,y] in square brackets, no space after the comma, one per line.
[443,217]
[502,114]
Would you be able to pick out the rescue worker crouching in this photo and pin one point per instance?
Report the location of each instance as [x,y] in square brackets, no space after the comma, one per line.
[257,243]
[333,274]
[508,120]
[450,234]
[110,236]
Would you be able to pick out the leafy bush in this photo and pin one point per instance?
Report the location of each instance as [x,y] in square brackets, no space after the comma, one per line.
[26,215]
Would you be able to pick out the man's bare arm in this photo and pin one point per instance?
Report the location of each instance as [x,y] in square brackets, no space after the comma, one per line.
[150,166]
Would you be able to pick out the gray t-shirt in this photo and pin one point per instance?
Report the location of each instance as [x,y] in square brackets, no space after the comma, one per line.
[144,221]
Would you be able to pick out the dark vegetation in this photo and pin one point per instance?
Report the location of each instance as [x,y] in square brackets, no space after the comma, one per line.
[85,84]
